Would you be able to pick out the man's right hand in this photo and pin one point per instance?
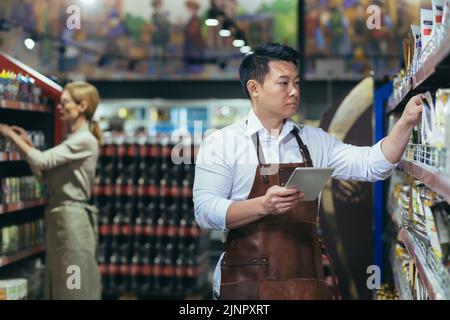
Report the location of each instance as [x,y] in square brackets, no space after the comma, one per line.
[279,200]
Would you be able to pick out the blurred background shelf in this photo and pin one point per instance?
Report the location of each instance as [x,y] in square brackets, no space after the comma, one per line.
[6,208]
[24,106]
[9,259]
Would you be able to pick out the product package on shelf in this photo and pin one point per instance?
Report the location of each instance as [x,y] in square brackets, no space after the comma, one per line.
[430,140]
[16,238]
[20,88]
[407,275]
[150,243]
[440,216]
[17,190]
[423,42]
[13,289]
[423,226]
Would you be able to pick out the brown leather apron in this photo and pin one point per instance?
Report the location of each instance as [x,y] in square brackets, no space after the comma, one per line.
[278,256]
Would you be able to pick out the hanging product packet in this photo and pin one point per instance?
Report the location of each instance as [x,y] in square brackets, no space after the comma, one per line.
[432,232]
[426,26]
[428,119]
[438,30]
[442,223]
[417,46]
[446,14]
[442,119]
[438,10]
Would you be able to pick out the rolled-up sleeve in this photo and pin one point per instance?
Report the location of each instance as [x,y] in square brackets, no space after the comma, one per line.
[358,163]
[212,185]
[77,148]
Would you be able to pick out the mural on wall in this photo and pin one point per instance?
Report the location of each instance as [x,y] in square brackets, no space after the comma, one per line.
[339,44]
[138,39]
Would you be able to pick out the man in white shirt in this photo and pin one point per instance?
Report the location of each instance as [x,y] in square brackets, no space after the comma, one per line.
[272,249]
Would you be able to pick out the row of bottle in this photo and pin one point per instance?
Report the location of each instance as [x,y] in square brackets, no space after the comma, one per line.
[36,137]
[143,161]
[16,238]
[17,87]
[18,189]
[153,265]
[145,234]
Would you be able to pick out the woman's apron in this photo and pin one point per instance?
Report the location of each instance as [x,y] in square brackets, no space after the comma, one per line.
[71,241]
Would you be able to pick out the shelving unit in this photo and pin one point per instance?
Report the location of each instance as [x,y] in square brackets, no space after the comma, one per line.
[17,105]
[9,259]
[434,73]
[421,164]
[12,207]
[32,117]
[434,180]
[10,156]
[433,274]
[401,284]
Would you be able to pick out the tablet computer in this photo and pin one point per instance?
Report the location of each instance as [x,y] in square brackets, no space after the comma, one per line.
[310,181]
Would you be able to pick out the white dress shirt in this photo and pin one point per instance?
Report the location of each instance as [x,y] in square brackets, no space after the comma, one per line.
[227,161]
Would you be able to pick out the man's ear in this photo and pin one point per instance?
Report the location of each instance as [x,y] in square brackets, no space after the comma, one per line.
[253,88]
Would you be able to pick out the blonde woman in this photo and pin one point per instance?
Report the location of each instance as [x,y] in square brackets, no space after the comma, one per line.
[68,169]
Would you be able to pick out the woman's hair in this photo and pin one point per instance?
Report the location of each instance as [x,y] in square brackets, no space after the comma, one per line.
[83,91]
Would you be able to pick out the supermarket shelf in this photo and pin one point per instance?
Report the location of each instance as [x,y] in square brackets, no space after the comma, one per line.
[433,64]
[397,104]
[10,156]
[433,274]
[5,208]
[431,75]
[433,179]
[17,105]
[403,288]
[6,260]
[393,213]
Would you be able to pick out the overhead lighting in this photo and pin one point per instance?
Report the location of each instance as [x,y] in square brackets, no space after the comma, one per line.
[29,43]
[246,49]
[212,22]
[123,113]
[88,1]
[225,33]
[225,111]
[238,43]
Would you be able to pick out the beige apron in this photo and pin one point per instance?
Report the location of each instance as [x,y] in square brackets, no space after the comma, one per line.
[71,240]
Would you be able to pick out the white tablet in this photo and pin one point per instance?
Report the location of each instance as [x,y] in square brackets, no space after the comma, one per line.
[310,181]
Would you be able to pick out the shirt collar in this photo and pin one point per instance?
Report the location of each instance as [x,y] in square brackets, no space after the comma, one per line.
[254,125]
[84,127]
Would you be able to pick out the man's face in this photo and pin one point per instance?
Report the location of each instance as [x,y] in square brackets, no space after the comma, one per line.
[280,94]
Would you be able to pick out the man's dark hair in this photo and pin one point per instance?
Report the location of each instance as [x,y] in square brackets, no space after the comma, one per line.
[255,66]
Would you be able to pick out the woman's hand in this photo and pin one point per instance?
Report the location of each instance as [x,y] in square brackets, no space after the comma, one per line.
[23,134]
[5,130]
[279,200]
